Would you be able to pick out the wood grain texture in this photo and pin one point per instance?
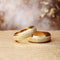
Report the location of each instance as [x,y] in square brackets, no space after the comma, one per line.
[9,50]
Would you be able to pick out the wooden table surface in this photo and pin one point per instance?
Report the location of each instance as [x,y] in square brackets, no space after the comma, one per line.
[9,50]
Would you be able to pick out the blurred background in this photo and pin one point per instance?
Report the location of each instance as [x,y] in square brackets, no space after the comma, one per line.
[18,14]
